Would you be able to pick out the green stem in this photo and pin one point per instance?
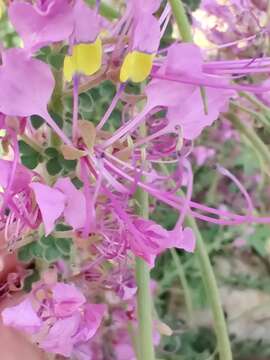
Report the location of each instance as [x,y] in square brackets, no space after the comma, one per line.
[256,102]
[105,10]
[56,105]
[211,287]
[256,115]
[144,299]
[184,283]
[145,349]
[205,264]
[181,20]
[250,134]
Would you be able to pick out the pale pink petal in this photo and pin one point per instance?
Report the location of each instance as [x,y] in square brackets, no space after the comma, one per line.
[60,337]
[29,81]
[189,240]
[51,203]
[67,299]
[75,209]
[147,34]
[37,26]
[22,317]
[22,176]
[87,23]
[93,315]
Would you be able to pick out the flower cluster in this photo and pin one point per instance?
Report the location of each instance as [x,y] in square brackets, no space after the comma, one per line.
[78,194]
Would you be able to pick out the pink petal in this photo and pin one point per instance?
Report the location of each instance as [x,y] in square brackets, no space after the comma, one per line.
[189,240]
[146,7]
[22,176]
[190,114]
[87,23]
[22,317]
[37,26]
[147,34]
[67,298]
[183,59]
[75,208]
[27,80]
[60,337]
[51,203]
[93,315]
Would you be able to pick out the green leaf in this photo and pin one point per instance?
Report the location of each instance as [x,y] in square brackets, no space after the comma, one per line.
[53,167]
[259,239]
[63,227]
[26,149]
[37,250]
[52,254]
[31,162]
[36,121]
[64,245]
[77,183]
[25,254]
[57,119]
[29,280]
[68,165]
[47,240]
[51,152]
[86,102]
[56,60]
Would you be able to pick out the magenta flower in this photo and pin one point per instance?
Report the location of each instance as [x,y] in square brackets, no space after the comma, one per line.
[62,319]
[21,178]
[61,199]
[23,317]
[36,24]
[31,82]
[149,239]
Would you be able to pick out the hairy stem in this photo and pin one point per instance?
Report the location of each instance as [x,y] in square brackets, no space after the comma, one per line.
[144,298]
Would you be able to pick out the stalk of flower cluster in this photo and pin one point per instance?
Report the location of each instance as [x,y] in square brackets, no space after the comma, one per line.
[250,134]
[106,10]
[144,299]
[183,280]
[209,279]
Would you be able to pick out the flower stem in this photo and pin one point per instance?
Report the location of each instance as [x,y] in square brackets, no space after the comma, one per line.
[181,20]
[144,298]
[208,276]
[184,283]
[105,10]
[250,134]
[210,284]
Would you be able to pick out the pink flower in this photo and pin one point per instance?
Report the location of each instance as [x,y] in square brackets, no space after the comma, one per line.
[72,321]
[36,24]
[31,83]
[148,239]
[61,199]
[23,317]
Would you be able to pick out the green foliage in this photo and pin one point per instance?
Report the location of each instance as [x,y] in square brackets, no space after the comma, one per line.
[29,157]
[260,239]
[36,121]
[47,248]
[57,163]
[29,280]
[53,166]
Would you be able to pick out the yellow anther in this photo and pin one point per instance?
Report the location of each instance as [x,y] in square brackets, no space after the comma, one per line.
[85,59]
[136,66]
